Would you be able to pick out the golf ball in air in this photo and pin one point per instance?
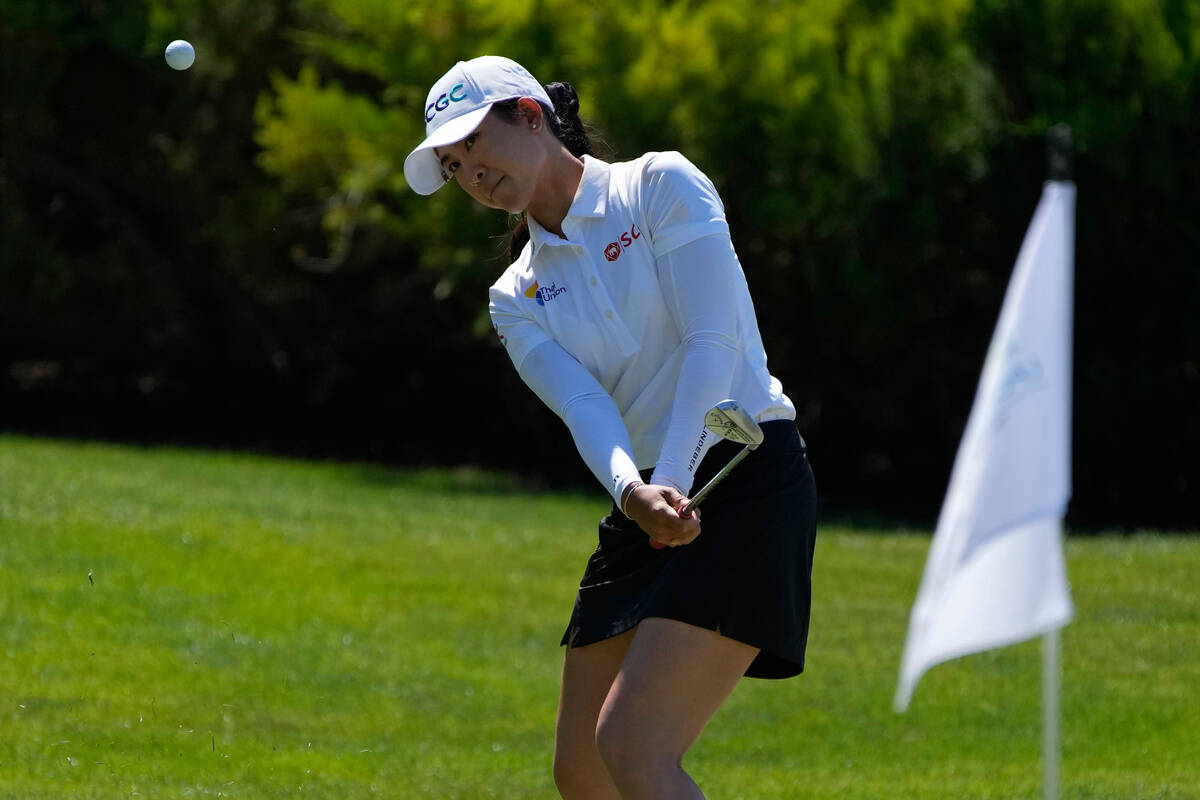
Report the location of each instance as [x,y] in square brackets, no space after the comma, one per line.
[180,54]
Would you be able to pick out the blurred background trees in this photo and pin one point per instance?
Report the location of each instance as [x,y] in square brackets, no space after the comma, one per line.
[229,255]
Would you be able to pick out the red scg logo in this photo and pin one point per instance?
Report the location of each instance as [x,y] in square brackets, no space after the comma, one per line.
[613,251]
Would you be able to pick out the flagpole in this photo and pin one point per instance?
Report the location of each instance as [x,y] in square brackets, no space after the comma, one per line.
[1059,157]
[1051,669]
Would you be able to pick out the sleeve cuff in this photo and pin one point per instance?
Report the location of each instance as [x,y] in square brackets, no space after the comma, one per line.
[683,486]
[621,483]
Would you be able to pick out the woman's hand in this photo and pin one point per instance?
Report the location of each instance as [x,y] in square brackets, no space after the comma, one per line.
[657,511]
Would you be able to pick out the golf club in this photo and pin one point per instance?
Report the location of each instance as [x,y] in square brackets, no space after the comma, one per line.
[730,421]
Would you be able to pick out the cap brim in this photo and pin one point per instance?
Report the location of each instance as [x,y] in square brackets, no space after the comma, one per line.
[422,169]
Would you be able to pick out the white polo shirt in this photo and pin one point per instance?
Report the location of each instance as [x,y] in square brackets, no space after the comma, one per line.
[646,294]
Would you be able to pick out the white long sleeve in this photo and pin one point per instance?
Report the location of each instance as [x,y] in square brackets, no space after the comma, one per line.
[645,302]
[581,402]
[701,282]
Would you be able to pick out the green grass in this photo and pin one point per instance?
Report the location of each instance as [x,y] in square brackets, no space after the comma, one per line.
[179,624]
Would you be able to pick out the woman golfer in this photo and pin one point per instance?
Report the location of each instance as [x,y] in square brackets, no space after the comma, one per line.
[626,311]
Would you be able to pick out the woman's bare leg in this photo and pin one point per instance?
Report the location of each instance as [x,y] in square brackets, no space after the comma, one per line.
[588,674]
[673,679]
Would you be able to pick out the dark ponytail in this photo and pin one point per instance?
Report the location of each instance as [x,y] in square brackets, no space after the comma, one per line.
[564,122]
[566,125]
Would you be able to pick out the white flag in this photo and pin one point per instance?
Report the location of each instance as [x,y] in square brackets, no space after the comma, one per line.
[996,573]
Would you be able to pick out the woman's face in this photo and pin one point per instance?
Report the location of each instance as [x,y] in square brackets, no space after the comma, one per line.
[499,163]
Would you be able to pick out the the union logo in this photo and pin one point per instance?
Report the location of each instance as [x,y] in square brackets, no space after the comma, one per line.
[543,293]
[612,252]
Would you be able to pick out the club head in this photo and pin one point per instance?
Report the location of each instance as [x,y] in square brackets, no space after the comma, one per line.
[730,421]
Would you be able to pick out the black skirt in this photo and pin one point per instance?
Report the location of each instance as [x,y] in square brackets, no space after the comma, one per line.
[747,575]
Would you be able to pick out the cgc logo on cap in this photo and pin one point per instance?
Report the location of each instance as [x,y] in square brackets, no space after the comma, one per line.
[456,93]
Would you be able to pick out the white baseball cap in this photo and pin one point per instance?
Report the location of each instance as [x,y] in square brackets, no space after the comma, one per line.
[456,106]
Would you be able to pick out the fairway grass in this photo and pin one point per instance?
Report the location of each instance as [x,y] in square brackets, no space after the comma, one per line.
[187,624]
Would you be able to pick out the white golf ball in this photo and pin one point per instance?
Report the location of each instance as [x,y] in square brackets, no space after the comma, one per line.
[180,54]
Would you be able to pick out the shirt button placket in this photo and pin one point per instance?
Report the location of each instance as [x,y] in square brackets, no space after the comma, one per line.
[600,297]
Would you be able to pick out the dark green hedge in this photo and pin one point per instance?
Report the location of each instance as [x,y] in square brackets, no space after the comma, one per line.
[229,255]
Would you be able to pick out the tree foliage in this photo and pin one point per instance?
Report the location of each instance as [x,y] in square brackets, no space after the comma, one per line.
[231,254]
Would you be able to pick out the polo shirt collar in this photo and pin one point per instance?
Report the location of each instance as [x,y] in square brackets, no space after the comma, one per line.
[591,200]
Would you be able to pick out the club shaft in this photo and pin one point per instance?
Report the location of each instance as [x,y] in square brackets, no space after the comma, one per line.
[708,487]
